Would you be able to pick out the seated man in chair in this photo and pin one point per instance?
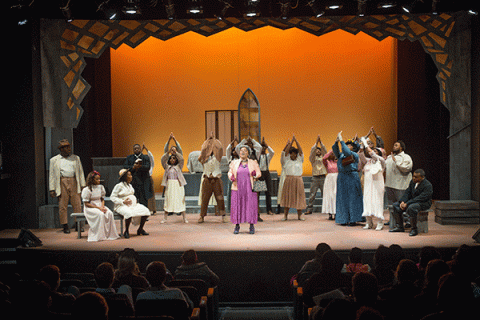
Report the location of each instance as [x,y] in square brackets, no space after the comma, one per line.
[417,197]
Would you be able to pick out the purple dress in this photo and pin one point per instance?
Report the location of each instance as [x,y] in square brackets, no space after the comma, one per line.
[244,207]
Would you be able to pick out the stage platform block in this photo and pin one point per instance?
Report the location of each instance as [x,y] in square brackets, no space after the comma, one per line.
[457,212]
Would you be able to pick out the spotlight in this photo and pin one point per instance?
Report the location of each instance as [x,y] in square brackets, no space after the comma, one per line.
[408,8]
[334,5]
[67,12]
[109,13]
[252,10]
[361,7]
[131,7]
[285,8]
[195,7]
[473,12]
[318,13]
[22,12]
[170,9]
[226,6]
[387,5]
[434,7]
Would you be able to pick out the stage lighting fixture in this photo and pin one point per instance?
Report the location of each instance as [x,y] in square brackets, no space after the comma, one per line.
[195,7]
[318,13]
[109,13]
[22,12]
[67,12]
[361,7]
[170,9]
[252,10]
[226,6]
[131,7]
[334,5]
[284,9]
[473,12]
[386,5]
[408,8]
[434,7]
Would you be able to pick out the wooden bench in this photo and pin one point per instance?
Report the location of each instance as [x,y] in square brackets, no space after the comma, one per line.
[80,217]
[422,221]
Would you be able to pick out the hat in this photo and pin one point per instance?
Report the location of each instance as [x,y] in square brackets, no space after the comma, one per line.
[121,173]
[63,143]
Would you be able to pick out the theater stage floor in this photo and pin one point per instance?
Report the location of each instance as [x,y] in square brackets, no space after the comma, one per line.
[271,235]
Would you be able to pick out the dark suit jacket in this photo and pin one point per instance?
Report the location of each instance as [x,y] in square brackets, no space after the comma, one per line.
[141,177]
[422,194]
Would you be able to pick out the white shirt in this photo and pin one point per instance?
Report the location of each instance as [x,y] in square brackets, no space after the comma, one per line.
[265,159]
[212,168]
[67,167]
[293,167]
[398,173]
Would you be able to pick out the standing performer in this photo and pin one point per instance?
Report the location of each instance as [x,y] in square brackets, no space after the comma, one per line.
[173,182]
[139,165]
[244,207]
[329,200]
[349,205]
[66,181]
[151,200]
[210,157]
[374,186]
[231,154]
[293,193]
[319,171]
[99,217]
[125,203]
[264,163]
[281,179]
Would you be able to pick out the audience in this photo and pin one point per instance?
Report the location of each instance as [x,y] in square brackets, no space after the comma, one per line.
[192,268]
[355,262]
[428,289]
[312,266]
[156,274]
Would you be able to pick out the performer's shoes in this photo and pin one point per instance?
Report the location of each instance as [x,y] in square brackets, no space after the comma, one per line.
[201,220]
[368,226]
[407,225]
[252,229]
[397,229]
[379,226]
[301,218]
[413,232]
[141,232]
[236,230]
[270,213]
[330,217]
[352,224]
[308,212]
[284,218]
[260,219]
[126,235]
[224,218]
[66,229]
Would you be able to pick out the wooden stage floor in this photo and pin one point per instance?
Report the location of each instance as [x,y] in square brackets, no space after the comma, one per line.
[271,235]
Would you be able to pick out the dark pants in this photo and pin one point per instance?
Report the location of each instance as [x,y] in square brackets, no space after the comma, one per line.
[412,211]
[268,194]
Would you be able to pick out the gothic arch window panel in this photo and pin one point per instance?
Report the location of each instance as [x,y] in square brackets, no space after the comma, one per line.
[249,116]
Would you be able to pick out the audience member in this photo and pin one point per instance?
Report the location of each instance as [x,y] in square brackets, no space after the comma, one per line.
[191,268]
[90,305]
[382,267]
[128,273]
[338,309]
[425,255]
[365,291]
[355,262]
[314,265]
[327,279]
[104,277]
[61,302]
[366,313]
[426,300]
[156,274]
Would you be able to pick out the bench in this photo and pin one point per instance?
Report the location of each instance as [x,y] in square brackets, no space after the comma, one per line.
[80,217]
[422,221]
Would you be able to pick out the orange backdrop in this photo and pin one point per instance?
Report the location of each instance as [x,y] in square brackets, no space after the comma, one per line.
[306,85]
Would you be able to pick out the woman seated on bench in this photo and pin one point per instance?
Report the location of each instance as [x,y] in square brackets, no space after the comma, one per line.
[99,217]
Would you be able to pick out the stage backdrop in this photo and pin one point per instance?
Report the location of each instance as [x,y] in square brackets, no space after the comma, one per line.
[306,85]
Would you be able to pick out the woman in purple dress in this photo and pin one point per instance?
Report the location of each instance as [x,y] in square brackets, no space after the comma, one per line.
[244,202]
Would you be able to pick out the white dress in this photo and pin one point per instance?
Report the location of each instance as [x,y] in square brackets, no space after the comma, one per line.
[374,186]
[102,226]
[120,193]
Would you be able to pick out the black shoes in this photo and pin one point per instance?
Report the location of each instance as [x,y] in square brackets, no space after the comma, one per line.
[413,232]
[252,229]
[141,232]
[397,229]
[66,229]
[237,229]
[126,235]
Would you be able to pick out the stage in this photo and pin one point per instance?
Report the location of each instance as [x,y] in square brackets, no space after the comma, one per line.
[258,266]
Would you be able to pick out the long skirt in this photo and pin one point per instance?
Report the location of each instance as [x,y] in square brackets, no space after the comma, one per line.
[102,226]
[174,197]
[349,204]
[373,195]
[329,200]
[244,202]
[135,210]
[281,181]
[293,193]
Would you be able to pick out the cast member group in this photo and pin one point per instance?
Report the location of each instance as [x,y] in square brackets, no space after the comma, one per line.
[356,177]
